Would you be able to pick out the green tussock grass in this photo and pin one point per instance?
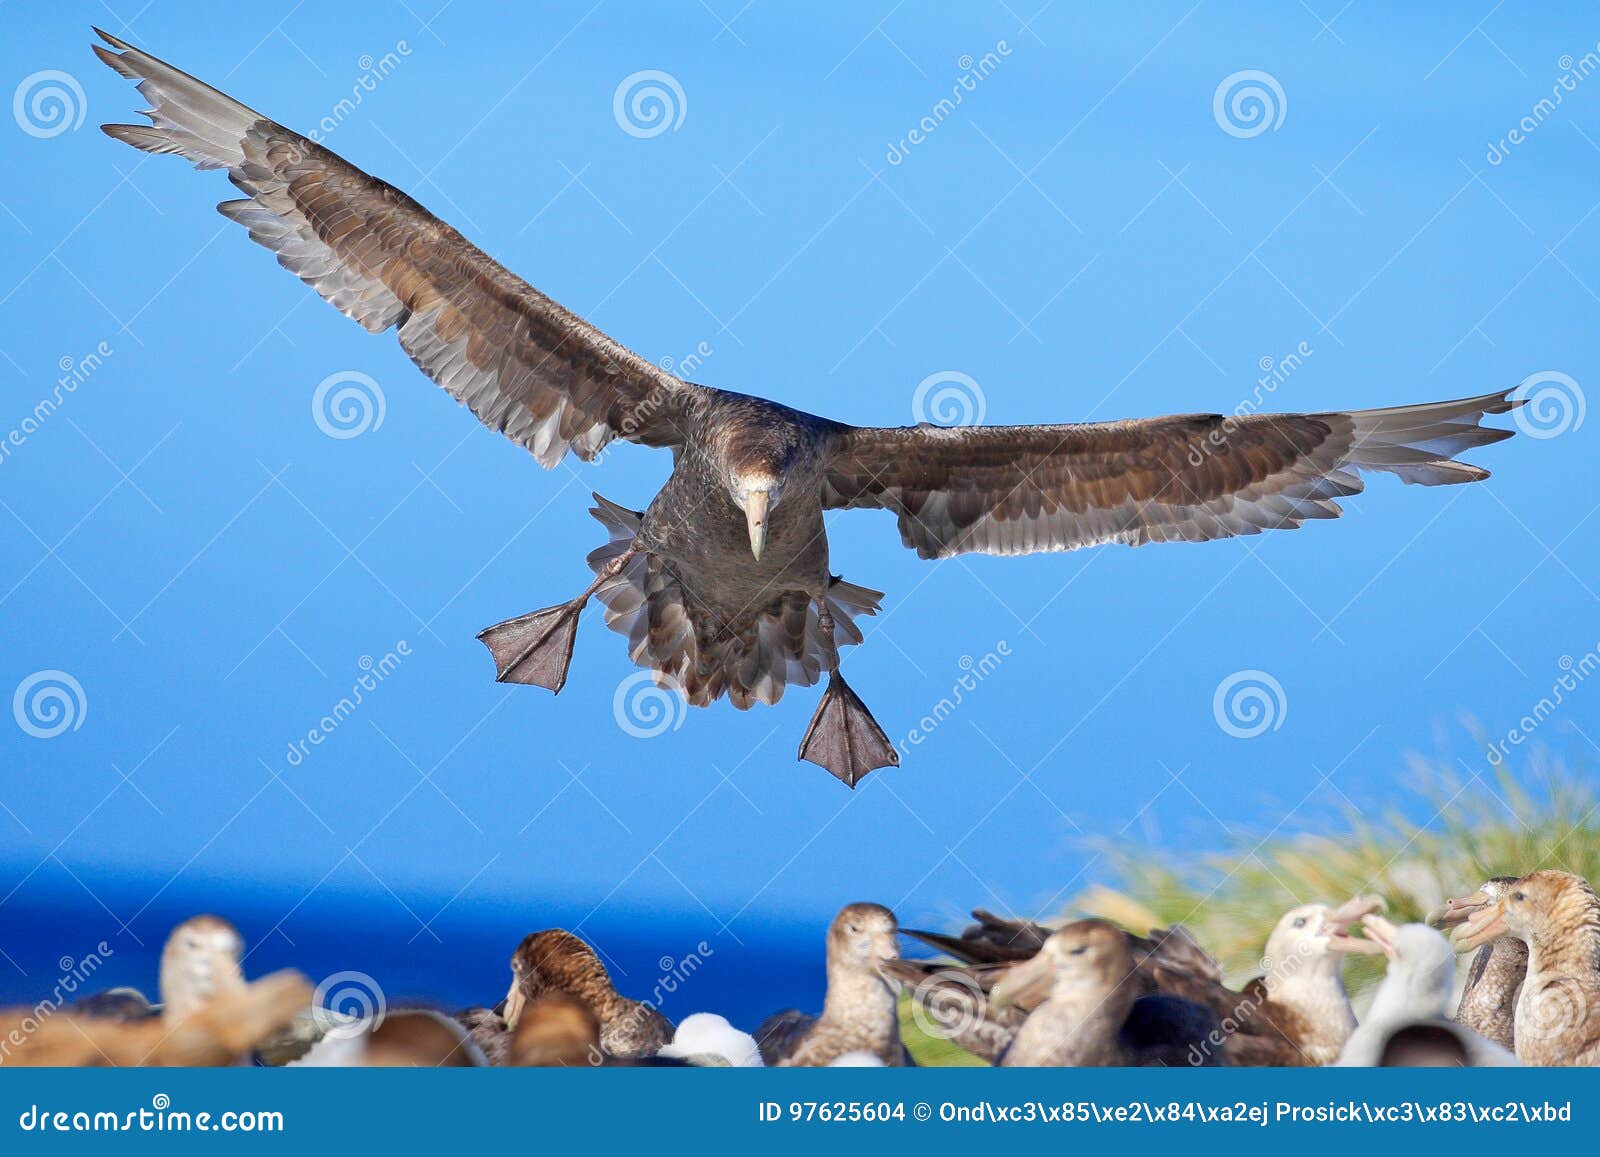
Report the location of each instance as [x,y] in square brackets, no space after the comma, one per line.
[1453,833]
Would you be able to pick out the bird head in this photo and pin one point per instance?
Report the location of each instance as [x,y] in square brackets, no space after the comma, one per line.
[1084,958]
[1527,907]
[756,490]
[864,936]
[200,960]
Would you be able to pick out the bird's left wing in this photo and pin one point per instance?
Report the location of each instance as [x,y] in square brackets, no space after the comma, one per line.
[1189,477]
[524,365]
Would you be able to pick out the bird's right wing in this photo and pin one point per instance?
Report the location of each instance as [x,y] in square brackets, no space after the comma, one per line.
[1187,477]
[525,366]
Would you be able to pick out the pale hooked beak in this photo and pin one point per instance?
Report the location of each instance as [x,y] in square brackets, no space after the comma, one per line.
[1380,937]
[1024,985]
[515,1002]
[1481,927]
[1459,910]
[755,514]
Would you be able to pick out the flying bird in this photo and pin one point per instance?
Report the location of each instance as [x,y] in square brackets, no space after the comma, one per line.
[723,584]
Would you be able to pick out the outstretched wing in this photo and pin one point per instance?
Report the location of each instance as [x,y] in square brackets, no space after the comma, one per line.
[524,365]
[1022,489]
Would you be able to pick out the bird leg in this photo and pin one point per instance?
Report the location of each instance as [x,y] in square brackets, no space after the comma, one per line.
[843,736]
[536,649]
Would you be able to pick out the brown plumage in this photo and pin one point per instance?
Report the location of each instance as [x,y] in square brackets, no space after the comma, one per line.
[1297,1013]
[1494,979]
[723,584]
[557,962]
[859,1013]
[1557,915]
[1094,1013]
[221,1031]
[982,1007]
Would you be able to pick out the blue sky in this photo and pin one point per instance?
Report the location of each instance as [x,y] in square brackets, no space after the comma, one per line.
[1083,236]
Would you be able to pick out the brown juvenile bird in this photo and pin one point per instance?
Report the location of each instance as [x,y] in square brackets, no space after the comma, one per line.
[723,584]
[1494,980]
[556,961]
[1557,915]
[859,1013]
[1094,1013]
[954,1001]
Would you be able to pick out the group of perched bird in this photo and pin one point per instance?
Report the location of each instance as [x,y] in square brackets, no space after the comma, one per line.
[1011,992]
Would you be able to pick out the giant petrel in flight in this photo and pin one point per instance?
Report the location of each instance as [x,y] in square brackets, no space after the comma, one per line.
[722,585]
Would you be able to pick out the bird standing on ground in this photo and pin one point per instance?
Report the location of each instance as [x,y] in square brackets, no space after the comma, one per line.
[723,584]
[1557,915]
[1494,981]
[859,1013]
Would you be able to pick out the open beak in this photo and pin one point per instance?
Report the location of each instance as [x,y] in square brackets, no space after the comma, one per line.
[755,515]
[1458,911]
[1341,919]
[1483,926]
[1024,985]
[514,1005]
[1380,937]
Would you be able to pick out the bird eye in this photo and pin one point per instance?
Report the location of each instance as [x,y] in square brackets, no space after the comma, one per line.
[850,928]
[1518,896]
[1080,950]
[1300,922]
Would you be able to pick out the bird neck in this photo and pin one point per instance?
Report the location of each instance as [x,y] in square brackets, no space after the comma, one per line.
[1567,941]
[860,1003]
[1073,1029]
[1315,990]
